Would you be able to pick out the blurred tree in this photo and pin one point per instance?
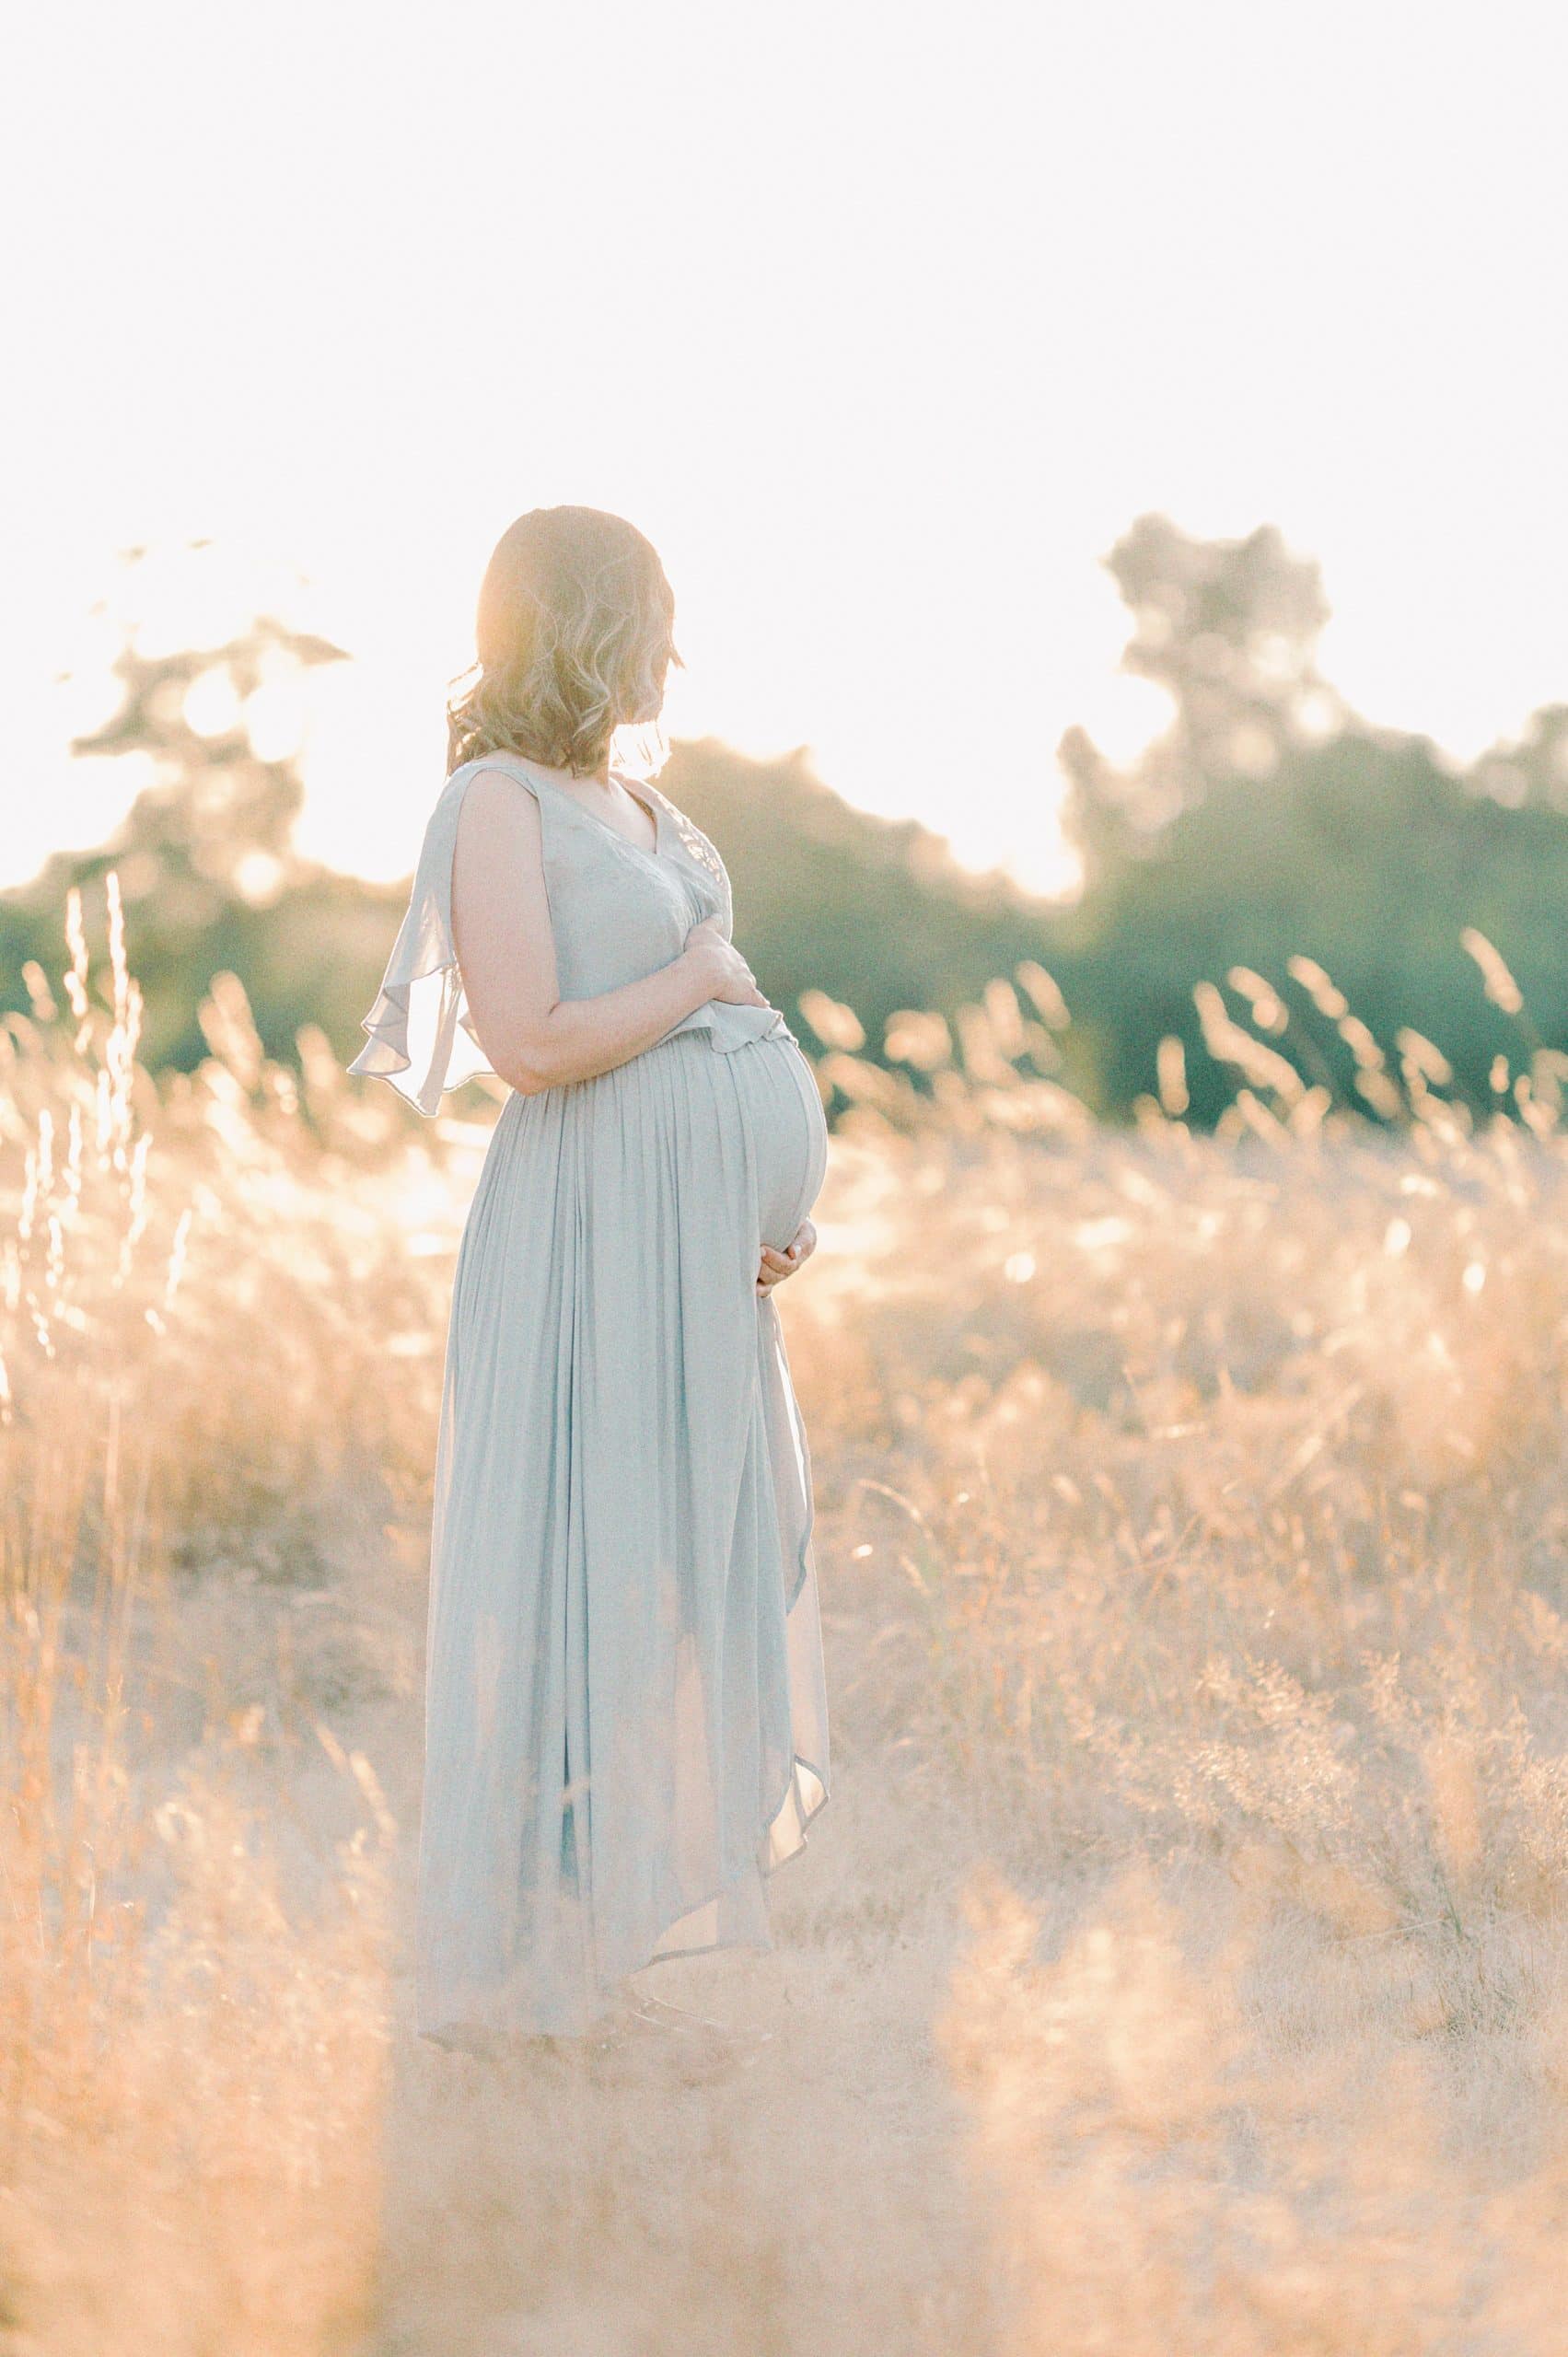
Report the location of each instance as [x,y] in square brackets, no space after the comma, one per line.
[217,810]
[208,873]
[1268,821]
[1227,629]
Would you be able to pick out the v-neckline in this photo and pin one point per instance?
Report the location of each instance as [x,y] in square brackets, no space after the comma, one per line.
[655,812]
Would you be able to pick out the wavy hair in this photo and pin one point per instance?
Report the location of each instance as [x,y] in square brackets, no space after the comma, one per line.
[574,636]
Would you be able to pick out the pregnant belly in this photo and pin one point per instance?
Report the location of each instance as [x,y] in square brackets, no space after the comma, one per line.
[788,1131]
[604,1156]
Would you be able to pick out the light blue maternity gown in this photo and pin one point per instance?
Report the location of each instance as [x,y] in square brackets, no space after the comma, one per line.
[626,1715]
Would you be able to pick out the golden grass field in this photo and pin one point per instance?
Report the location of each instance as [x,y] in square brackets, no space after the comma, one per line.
[1181,1966]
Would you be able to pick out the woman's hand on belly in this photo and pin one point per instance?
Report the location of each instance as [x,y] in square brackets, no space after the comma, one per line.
[730,977]
[776,1266]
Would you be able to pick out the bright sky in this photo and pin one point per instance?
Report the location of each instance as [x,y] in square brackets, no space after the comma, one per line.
[883,324]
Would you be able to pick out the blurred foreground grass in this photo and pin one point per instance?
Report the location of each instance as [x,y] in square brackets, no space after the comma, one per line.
[1182,1963]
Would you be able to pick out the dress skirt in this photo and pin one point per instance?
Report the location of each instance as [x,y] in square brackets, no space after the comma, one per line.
[626,1720]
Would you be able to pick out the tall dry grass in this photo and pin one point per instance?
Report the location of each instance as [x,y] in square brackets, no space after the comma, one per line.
[1181,1963]
[191,2055]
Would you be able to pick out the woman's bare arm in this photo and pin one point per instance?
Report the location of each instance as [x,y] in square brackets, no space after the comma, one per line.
[531,1037]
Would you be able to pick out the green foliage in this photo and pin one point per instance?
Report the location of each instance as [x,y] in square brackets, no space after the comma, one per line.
[870,910]
[1269,822]
[208,875]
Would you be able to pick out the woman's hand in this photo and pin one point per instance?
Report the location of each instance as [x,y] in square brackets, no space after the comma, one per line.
[777,1265]
[723,968]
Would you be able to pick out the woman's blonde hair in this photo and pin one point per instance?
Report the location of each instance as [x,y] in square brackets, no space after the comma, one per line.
[574,636]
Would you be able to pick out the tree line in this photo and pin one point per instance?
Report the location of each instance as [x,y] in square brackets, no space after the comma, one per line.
[1272,853]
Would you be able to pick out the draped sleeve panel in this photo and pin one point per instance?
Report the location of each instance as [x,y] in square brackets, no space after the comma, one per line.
[421,1033]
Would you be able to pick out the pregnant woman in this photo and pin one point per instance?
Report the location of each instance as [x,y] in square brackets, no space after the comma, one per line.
[626,1718]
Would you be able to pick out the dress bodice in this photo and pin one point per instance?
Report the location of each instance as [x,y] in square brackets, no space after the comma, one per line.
[617,912]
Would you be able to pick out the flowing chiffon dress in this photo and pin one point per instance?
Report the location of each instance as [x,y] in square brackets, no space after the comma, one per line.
[625,1707]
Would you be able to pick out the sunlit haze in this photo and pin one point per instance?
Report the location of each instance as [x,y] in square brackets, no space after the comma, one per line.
[884,325]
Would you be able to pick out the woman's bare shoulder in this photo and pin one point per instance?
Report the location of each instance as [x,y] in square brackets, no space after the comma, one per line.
[494,783]
[493,814]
